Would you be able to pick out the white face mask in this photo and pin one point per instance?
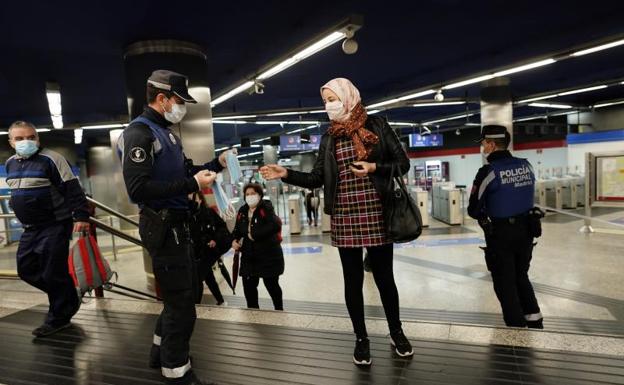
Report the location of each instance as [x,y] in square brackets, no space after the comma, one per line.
[252,200]
[177,113]
[335,110]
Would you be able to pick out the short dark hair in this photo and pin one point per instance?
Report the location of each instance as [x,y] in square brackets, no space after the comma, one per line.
[152,92]
[256,187]
[501,143]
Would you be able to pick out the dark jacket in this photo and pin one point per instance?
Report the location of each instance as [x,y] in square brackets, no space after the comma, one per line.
[149,180]
[262,256]
[206,225]
[44,189]
[386,152]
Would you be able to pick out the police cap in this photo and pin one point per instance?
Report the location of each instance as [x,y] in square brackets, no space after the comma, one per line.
[173,82]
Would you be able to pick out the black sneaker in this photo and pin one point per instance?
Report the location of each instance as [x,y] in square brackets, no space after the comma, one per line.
[361,353]
[539,324]
[154,358]
[46,330]
[401,345]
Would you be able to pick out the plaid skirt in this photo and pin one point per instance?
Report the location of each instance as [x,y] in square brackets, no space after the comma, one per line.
[358,216]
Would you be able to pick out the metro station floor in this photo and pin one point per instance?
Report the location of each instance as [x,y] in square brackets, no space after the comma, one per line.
[448,306]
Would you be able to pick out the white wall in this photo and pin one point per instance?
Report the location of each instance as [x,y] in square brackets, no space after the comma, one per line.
[549,162]
[462,171]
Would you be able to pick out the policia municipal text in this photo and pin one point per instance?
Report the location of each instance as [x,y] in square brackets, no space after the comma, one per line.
[156,178]
[502,202]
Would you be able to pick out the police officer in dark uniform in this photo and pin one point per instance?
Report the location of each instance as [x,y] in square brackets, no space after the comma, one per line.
[502,202]
[156,173]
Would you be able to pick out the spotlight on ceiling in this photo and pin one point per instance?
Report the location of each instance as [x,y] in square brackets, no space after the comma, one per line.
[425,131]
[439,96]
[457,132]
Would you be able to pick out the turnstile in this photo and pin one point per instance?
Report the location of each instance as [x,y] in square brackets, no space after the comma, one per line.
[445,200]
[421,197]
[294,213]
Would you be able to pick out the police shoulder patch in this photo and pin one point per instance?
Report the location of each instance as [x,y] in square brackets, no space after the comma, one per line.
[138,155]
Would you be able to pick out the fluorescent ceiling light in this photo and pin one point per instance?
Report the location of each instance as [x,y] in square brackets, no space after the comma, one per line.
[250,154]
[608,104]
[401,124]
[550,105]
[449,118]
[57,121]
[301,129]
[536,98]
[287,113]
[278,68]
[529,118]
[267,122]
[4,133]
[116,125]
[478,79]
[437,104]
[598,48]
[229,122]
[233,117]
[321,111]
[417,95]
[582,90]
[221,149]
[524,67]
[371,112]
[78,136]
[384,103]
[43,129]
[243,87]
[261,140]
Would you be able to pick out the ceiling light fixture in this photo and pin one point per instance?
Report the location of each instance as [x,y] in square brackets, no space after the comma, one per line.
[345,29]
[78,135]
[582,90]
[53,94]
[449,118]
[600,105]
[550,105]
[437,104]
[114,125]
[598,48]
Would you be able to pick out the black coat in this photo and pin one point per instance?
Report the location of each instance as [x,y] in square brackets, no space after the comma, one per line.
[206,225]
[261,256]
[386,153]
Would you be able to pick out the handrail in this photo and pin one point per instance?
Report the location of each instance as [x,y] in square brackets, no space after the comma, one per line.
[114,212]
[116,232]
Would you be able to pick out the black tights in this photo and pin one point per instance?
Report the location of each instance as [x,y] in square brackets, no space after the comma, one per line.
[250,286]
[380,258]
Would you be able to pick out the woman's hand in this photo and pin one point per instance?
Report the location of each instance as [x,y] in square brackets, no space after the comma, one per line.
[273,171]
[361,168]
[235,245]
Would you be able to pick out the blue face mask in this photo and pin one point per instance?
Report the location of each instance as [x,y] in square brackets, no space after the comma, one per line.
[26,148]
[233,166]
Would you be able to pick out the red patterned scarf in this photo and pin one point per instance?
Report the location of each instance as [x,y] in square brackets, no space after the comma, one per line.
[353,128]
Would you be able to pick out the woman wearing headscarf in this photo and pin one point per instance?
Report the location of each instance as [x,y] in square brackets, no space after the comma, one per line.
[354,166]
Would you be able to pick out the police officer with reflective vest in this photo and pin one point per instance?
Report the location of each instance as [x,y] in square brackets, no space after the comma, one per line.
[155,171]
[502,202]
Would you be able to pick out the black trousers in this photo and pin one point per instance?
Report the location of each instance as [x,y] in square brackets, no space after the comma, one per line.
[508,257]
[312,214]
[42,263]
[176,274]
[381,259]
[250,286]
[206,274]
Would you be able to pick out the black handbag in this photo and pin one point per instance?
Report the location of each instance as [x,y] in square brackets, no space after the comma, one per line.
[403,220]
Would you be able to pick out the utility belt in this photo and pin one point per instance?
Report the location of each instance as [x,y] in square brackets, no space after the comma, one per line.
[155,225]
[532,219]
